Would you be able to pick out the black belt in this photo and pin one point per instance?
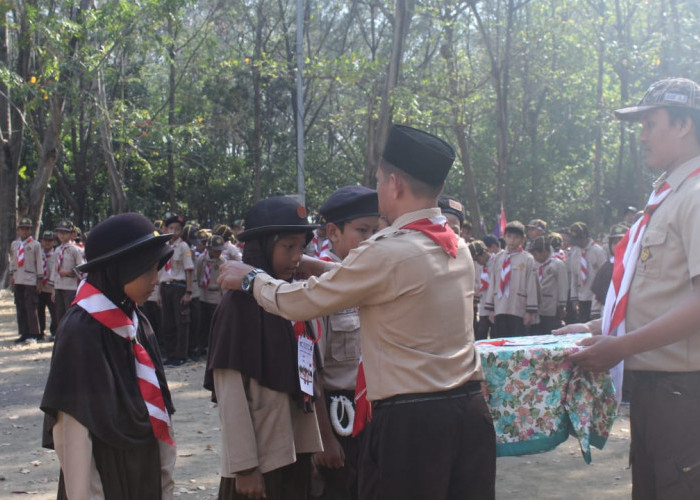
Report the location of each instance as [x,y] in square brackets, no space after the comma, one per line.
[471,388]
[175,283]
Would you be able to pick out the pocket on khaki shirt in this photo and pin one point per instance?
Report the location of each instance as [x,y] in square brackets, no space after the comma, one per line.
[343,339]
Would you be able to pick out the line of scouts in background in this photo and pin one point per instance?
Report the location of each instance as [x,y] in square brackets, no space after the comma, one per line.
[532,282]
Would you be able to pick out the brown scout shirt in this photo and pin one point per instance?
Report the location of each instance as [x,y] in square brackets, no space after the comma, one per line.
[416,308]
[32,270]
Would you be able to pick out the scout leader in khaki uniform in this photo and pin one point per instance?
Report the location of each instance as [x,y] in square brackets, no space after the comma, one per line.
[25,277]
[651,318]
[351,215]
[431,434]
[176,293]
[65,279]
[512,297]
[585,260]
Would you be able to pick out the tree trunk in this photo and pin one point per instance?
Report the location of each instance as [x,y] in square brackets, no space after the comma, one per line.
[256,139]
[401,22]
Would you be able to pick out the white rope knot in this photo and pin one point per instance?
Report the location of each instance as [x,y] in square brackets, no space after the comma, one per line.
[341,411]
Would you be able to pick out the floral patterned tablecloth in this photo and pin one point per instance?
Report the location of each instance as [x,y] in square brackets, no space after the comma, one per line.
[538,397]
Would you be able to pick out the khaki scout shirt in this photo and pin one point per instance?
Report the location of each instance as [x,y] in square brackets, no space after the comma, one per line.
[668,261]
[595,257]
[416,308]
[180,262]
[213,293]
[260,427]
[339,346]
[72,256]
[48,258]
[554,286]
[32,270]
[522,296]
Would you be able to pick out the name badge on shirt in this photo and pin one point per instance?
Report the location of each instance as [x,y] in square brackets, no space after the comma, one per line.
[305,351]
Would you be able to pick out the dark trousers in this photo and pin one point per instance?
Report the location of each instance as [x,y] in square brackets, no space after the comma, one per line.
[62,302]
[152,311]
[547,324]
[507,325]
[584,311]
[341,484]
[440,449]
[175,321]
[483,327]
[206,313]
[291,482]
[26,303]
[45,303]
[665,449]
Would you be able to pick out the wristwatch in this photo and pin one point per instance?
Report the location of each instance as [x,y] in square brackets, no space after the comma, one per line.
[249,279]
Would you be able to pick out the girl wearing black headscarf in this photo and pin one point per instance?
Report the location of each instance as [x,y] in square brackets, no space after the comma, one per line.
[110,443]
[268,428]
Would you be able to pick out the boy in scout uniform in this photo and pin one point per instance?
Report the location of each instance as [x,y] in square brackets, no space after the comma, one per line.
[25,278]
[176,287]
[512,299]
[351,215]
[585,260]
[67,258]
[45,301]
[651,316]
[207,267]
[453,210]
[554,286]
[431,434]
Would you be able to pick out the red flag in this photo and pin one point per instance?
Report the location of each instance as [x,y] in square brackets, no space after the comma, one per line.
[502,221]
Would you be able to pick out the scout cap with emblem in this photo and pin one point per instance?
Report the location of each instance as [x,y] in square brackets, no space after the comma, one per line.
[350,202]
[579,230]
[450,205]
[476,248]
[537,224]
[47,235]
[555,240]
[420,154]
[128,235]
[279,214]
[667,93]
[617,231]
[515,227]
[539,244]
[64,225]
[216,242]
[25,222]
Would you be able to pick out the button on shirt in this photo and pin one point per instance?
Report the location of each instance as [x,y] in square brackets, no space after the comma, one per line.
[416,308]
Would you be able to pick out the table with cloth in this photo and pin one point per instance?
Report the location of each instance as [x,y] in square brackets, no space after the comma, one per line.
[538,397]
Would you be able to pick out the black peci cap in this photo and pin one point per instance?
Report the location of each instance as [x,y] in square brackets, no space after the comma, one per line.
[420,154]
[449,205]
[122,235]
[350,202]
[279,214]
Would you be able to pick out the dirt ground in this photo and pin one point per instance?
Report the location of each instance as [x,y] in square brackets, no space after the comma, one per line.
[28,469]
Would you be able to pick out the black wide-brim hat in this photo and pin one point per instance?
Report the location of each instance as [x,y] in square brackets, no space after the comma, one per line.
[279,214]
[124,235]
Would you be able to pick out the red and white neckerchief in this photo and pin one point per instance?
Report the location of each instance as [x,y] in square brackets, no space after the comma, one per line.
[169,265]
[45,256]
[321,250]
[583,267]
[97,305]
[561,255]
[485,278]
[207,273]
[436,229]
[59,258]
[504,285]
[20,251]
[541,269]
[363,408]
[626,257]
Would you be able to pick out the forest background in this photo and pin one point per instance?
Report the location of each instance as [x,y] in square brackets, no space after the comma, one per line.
[189,106]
